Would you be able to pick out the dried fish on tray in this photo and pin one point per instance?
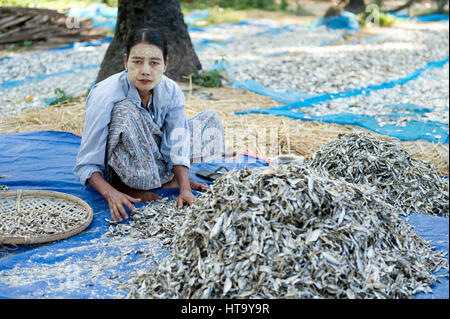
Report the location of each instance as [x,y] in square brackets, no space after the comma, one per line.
[409,184]
[290,232]
[38,216]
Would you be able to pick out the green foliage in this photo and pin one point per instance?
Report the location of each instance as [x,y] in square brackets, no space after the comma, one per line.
[416,12]
[245,4]
[54,4]
[207,79]
[228,11]
[61,97]
[18,46]
[384,19]
[27,43]
[16,3]
[218,16]
[283,5]
[235,4]
[387,20]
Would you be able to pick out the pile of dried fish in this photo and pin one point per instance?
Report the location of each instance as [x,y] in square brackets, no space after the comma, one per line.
[290,233]
[409,184]
[160,220]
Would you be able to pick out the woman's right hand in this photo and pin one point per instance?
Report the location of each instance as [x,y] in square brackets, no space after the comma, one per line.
[116,201]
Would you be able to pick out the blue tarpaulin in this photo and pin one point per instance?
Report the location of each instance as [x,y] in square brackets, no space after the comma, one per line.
[268,30]
[432,131]
[196,16]
[101,15]
[65,269]
[286,96]
[346,20]
[425,18]
[75,267]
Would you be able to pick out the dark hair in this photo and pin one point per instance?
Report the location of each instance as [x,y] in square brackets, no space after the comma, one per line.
[149,35]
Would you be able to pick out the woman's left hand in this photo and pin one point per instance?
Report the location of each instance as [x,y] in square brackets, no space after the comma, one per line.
[185,196]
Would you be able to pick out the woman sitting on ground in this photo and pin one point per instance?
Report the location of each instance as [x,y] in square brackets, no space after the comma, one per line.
[136,137]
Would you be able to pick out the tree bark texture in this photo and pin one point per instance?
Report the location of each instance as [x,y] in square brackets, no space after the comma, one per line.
[355,6]
[441,5]
[404,6]
[164,15]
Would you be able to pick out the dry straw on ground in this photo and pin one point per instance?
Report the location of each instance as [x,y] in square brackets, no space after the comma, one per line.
[265,135]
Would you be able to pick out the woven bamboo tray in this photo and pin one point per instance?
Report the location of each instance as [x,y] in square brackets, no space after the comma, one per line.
[17,207]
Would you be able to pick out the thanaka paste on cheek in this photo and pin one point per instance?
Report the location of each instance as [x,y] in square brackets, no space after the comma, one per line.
[146,69]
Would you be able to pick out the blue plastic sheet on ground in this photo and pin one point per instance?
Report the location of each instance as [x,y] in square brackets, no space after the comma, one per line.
[432,131]
[268,31]
[434,229]
[433,18]
[196,16]
[286,96]
[424,18]
[101,15]
[74,45]
[346,20]
[77,45]
[64,269]
[224,67]
[14,83]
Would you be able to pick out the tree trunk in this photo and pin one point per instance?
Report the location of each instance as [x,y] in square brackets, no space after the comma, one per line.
[404,6]
[355,6]
[441,5]
[164,15]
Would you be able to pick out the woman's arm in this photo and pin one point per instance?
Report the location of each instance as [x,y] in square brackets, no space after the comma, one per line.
[91,154]
[182,175]
[115,199]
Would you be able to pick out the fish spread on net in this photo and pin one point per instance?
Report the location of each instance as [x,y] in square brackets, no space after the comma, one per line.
[409,184]
[288,232]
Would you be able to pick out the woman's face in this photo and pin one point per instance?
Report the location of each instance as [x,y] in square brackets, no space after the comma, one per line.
[145,66]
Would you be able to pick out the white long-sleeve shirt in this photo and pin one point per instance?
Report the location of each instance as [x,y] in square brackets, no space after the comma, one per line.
[167,112]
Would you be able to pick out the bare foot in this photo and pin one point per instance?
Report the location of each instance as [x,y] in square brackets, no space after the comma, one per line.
[172,184]
[144,195]
[196,186]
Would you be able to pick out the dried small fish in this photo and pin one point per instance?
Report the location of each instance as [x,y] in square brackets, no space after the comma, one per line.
[408,184]
[316,69]
[25,218]
[255,235]
[424,99]
[158,220]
